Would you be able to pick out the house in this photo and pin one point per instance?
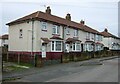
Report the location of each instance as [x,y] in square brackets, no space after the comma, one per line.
[110,41]
[50,35]
[4,40]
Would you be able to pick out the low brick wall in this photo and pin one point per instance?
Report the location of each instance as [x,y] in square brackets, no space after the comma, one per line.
[36,59]
[79,56]
[55,58]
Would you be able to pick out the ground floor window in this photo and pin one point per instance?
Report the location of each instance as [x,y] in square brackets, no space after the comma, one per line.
[88,47]
[76,47]
[56,46]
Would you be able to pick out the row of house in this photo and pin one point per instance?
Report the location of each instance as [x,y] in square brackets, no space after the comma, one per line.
[45,34]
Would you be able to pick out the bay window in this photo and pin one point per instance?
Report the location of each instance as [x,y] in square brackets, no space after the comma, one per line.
[76,47]
[56,46]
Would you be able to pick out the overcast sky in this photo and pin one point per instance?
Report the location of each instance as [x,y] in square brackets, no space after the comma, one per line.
[97,14]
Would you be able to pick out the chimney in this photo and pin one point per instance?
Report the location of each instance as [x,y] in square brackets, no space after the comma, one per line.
[82,22]
[68,17]
[48,10]
[106,30]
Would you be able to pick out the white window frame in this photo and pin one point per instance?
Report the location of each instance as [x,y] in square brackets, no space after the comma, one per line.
[44,26]
[76,44]
[88,35]
[57,29]
[75,33]
[54,46]
[68,31]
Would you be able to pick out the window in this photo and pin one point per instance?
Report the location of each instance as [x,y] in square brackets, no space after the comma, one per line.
[76,47]
[44,26]
[88,36]
[56,29]
[67,31]
[92,36]
[56,46]
[75,33]
[20,33]
[97,38]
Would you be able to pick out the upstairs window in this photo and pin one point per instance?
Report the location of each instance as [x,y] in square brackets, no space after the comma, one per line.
[56,29]
[76,33]
[20,33]
[67,31]
[44,26]
[88,36]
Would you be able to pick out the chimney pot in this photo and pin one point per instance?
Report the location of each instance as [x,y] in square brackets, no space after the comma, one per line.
[48,10]
[68,17]
[106,30]
[82,22]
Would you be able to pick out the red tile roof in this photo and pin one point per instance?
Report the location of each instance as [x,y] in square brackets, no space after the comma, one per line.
[70,40]
[56,37]
[46,40]
[107,34]
[52,18]
[4,36]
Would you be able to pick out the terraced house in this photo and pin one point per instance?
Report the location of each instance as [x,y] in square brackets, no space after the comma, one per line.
[47,34]
[110,41]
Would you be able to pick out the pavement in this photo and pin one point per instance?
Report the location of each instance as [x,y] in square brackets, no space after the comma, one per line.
[59,69]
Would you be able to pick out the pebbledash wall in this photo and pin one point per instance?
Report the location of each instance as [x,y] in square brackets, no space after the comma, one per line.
[25,43]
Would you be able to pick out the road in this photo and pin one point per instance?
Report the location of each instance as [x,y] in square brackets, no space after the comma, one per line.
[73,72]
[105,73]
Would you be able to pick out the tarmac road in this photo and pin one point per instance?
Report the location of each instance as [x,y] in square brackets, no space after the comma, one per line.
[108,72]
[73,72]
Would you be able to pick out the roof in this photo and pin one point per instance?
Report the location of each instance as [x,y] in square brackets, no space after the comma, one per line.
[69,40]
[107,34]
[52,18]
[99,43]
[46,40]
[89,41]
[4,36]
[56,37]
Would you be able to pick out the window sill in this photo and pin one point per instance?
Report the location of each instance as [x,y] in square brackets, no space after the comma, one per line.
[67,34]
[20,37]
[56,51]
[56,34]
[44,30]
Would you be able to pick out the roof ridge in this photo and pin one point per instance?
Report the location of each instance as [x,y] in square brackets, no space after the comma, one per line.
[37,14]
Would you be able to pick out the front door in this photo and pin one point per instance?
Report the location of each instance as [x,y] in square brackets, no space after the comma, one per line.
[67,47]
[43,51]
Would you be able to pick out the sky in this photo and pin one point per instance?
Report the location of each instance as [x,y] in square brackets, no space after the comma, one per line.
[98,14]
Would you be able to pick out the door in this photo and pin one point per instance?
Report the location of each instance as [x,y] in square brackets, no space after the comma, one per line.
[43,51]
[67,47]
